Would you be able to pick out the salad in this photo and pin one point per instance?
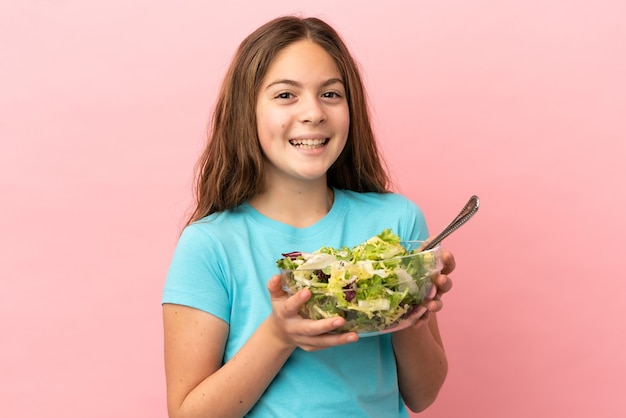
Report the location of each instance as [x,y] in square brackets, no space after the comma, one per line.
[374,285]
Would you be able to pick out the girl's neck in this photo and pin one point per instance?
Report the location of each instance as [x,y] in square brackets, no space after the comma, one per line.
[299,205]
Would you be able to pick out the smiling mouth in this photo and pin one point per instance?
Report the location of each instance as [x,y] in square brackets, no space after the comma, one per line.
[308,143]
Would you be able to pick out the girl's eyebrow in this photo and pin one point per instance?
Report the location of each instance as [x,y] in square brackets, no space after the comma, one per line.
[294,83]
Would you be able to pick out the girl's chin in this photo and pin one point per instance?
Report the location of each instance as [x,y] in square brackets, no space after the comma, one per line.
[309,176]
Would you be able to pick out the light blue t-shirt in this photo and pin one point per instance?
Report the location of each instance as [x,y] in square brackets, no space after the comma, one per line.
[221,265]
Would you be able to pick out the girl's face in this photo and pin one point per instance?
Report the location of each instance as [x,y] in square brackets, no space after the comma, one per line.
[302,113]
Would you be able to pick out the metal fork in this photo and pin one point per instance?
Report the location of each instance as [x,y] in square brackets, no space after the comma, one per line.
[470,208]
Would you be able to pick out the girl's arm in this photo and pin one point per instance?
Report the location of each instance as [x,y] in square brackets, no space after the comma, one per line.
[420,357]
[198,385]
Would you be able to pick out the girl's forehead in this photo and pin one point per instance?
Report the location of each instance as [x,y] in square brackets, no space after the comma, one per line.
[300,61]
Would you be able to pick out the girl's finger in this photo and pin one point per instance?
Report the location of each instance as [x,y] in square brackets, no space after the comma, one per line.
[317,327]
[274,287]
[448,262]
[443,283]
[293,303]
[328,340]
[434,305]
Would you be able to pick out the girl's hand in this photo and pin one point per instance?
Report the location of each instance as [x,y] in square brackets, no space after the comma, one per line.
[442,284]
[292,329]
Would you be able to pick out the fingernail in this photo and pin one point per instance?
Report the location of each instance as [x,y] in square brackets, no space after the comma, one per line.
[351,338]
[337,322]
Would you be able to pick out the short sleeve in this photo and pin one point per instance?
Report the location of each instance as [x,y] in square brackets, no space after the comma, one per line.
[194,277]
[413,222]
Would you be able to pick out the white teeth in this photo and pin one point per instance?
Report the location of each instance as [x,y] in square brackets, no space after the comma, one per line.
[307,143]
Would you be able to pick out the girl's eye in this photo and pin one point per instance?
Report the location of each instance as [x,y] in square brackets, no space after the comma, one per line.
[285,95]
[331,95]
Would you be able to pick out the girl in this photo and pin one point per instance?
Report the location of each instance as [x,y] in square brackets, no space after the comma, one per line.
[291,164]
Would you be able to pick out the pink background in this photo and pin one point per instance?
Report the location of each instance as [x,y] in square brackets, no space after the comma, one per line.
[103,109]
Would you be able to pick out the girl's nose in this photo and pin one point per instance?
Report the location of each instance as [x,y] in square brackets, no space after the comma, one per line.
[312,111]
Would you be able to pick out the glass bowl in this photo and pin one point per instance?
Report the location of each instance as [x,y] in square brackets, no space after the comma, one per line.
[374,296]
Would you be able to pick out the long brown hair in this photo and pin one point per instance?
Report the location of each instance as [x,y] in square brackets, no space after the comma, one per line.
[230,169]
